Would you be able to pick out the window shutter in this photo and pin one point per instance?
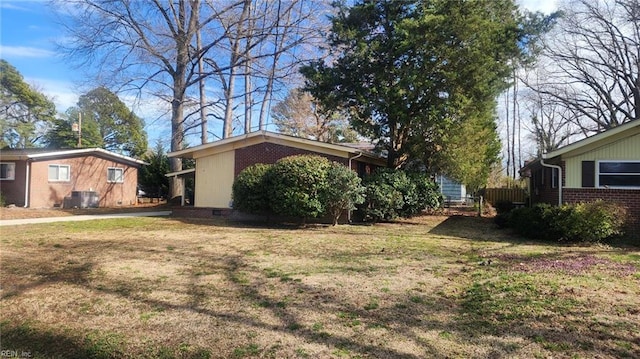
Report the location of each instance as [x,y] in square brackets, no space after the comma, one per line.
[588,173]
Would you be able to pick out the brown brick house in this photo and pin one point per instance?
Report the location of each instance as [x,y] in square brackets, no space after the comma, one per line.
[218,163]
[604,166]
[41,178]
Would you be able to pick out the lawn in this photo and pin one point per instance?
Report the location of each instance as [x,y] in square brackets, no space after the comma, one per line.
[431,287]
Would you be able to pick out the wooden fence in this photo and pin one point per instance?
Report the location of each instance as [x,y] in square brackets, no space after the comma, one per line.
[514,195]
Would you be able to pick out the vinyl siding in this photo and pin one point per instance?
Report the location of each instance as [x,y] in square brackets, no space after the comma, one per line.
[214,179]
[624,149]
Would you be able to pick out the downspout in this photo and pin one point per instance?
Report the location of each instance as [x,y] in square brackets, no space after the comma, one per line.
[352,158]
[559,178]
[26,184]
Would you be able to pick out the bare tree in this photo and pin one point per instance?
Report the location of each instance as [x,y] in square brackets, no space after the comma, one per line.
[148,45]
[264,45]
[300,115]
[592,63]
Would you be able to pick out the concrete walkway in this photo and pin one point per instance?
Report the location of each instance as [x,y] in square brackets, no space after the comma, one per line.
[16,222]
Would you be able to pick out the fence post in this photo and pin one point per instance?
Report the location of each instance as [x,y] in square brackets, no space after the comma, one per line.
[480,207]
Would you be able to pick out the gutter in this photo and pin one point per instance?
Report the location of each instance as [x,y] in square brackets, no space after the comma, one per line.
[559,178]
[26,183]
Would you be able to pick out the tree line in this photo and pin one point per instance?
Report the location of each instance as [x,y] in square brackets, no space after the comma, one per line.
[29,119]
[419,79]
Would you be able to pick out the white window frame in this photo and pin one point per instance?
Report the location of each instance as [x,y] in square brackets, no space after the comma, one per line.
[555,177]
[115,171]
[58,179]
[623,174]
[13,172]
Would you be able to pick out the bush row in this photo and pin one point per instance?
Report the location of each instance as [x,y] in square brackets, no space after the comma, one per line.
[583,222]
[312,186]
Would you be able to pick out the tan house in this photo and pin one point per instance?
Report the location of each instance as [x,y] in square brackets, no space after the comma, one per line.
[218,163]
[91,177]
[604,166]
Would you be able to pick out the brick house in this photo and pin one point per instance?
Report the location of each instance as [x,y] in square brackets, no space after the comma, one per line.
[90,177]
[218,163]
[604,166]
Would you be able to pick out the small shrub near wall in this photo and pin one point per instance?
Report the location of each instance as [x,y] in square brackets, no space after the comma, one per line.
[583,222]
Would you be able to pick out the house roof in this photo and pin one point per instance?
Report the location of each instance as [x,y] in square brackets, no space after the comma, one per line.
[48,153]
[628,129]
[241,141]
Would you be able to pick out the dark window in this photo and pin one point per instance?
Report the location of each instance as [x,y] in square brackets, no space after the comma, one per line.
[554,177]
[588,174]
[619,174]
[7,171]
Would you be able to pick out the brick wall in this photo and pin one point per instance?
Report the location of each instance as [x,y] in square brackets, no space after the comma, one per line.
[13,190]
[270,153]
[626,197]
[88,173]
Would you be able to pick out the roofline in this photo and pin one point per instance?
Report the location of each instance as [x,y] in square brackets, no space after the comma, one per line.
[592,139]
[79,151]
[266,135]
[178,173]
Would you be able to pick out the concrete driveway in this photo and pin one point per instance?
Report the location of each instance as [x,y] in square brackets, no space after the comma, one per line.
[16,222]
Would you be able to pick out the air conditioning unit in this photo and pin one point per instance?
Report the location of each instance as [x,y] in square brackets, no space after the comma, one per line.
[83,199]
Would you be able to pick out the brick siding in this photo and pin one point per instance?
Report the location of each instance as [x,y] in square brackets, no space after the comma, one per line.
[626,197]
[270,152]
[88,173]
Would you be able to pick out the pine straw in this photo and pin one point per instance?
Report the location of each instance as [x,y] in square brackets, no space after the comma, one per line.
[151,287]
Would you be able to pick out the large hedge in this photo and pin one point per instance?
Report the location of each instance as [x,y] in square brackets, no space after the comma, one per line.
[249,191]
[296,185]
[394,193]
[311,186]
[583,222]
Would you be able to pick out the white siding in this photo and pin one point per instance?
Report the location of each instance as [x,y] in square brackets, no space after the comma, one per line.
[214,179]
[625,149]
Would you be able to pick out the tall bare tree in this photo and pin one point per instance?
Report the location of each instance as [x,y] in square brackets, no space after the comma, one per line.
[300,115]
[592,63]
[149,45]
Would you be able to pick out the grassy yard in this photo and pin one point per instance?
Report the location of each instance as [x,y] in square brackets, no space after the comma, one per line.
[431,287]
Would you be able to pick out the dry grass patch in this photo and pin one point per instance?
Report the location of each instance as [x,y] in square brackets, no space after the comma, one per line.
[429,287]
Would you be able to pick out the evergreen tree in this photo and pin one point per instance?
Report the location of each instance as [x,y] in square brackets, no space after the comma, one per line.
[106,122]
[25,113]
[420,76]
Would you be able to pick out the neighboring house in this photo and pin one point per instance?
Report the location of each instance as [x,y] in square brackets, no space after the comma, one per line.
[453,192]
[604,166]
[91,177]
[218,163]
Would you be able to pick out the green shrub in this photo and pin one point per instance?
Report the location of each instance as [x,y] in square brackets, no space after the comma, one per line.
[249,190]
[592,221]
[584,222]
[296,185]
[343,192]
[427,192]
[394,193]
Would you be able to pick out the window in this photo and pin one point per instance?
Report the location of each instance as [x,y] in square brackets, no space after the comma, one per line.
[619,174]
[7,171]
[115,175]
[554,177]
[59,173]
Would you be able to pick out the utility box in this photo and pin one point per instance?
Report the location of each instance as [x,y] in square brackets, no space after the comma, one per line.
[82,199]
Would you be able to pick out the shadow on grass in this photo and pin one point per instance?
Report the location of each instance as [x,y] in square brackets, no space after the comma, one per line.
[473,318]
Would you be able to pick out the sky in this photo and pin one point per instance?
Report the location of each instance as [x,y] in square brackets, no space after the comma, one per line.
[29,31]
